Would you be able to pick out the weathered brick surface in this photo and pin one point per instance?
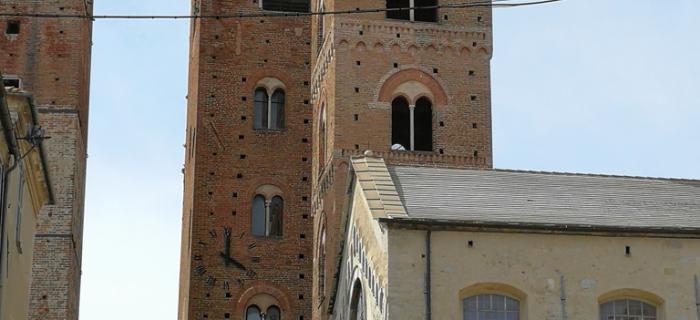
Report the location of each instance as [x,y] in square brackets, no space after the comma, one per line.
[228,57]
[52,58]
[362,63]
[357,72]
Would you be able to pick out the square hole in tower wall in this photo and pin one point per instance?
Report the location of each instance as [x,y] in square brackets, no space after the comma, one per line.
[13,27]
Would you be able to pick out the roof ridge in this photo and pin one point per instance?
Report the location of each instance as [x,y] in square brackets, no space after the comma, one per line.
[559,173]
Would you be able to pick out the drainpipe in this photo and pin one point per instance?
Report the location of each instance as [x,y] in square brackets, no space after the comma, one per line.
[428,303]
[697,295]
[562,297]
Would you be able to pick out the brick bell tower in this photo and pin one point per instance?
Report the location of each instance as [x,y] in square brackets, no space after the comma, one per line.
[413,86]
[246,241]
[50,58]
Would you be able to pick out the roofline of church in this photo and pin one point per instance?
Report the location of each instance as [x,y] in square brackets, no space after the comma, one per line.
[535,228]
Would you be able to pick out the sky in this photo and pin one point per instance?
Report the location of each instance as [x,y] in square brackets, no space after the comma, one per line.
[591,86]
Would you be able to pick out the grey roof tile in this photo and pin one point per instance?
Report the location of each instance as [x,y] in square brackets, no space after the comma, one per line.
[506,196]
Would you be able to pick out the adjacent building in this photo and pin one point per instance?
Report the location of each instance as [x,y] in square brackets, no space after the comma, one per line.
[50,57]
[24,190]
[447,243]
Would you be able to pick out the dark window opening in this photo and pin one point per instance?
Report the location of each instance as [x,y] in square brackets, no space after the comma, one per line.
[260,109]
[357,302]
[426,15]
[258,224]
[273,313]
[400,125]
[423,121]
[14,83]
[12,27]
[398,14]
[277,110]
[286,5]
[276,212]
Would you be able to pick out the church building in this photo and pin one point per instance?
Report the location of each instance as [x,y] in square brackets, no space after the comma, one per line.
[470,244]
[339,166]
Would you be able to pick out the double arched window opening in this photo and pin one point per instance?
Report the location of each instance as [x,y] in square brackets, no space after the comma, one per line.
[267,216]
[412,125]
[268,109]
[254,313]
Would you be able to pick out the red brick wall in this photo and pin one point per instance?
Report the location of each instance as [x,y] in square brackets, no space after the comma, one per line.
[227,59]
[52,57]
[365,57]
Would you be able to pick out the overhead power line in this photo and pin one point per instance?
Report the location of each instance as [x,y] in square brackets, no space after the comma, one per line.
[273,14]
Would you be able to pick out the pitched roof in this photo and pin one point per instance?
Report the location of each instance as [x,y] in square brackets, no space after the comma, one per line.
[541,198]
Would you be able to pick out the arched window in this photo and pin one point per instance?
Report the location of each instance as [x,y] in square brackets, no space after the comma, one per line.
[259,209]
[268,111]
[412,126]
[275,219]
[627,309]
[423,125]
[357,303]
[277,110]
[400,124]
[428,14]
[273,313]
[268,215]
[490,306]
[322,260]
[323,137]
[253,313]
[260,109]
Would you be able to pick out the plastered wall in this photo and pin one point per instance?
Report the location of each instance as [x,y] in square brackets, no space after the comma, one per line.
[591,267]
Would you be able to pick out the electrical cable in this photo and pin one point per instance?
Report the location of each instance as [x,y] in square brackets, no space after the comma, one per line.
[494,4]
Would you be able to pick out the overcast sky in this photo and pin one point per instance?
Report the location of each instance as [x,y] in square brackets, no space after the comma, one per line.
[593,86]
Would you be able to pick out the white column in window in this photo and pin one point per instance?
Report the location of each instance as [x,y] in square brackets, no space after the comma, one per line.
[412,109]
[412,14]
[267,217]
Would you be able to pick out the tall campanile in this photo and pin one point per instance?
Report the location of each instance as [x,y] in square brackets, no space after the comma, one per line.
[411,83]
[50,59]
[246,241]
